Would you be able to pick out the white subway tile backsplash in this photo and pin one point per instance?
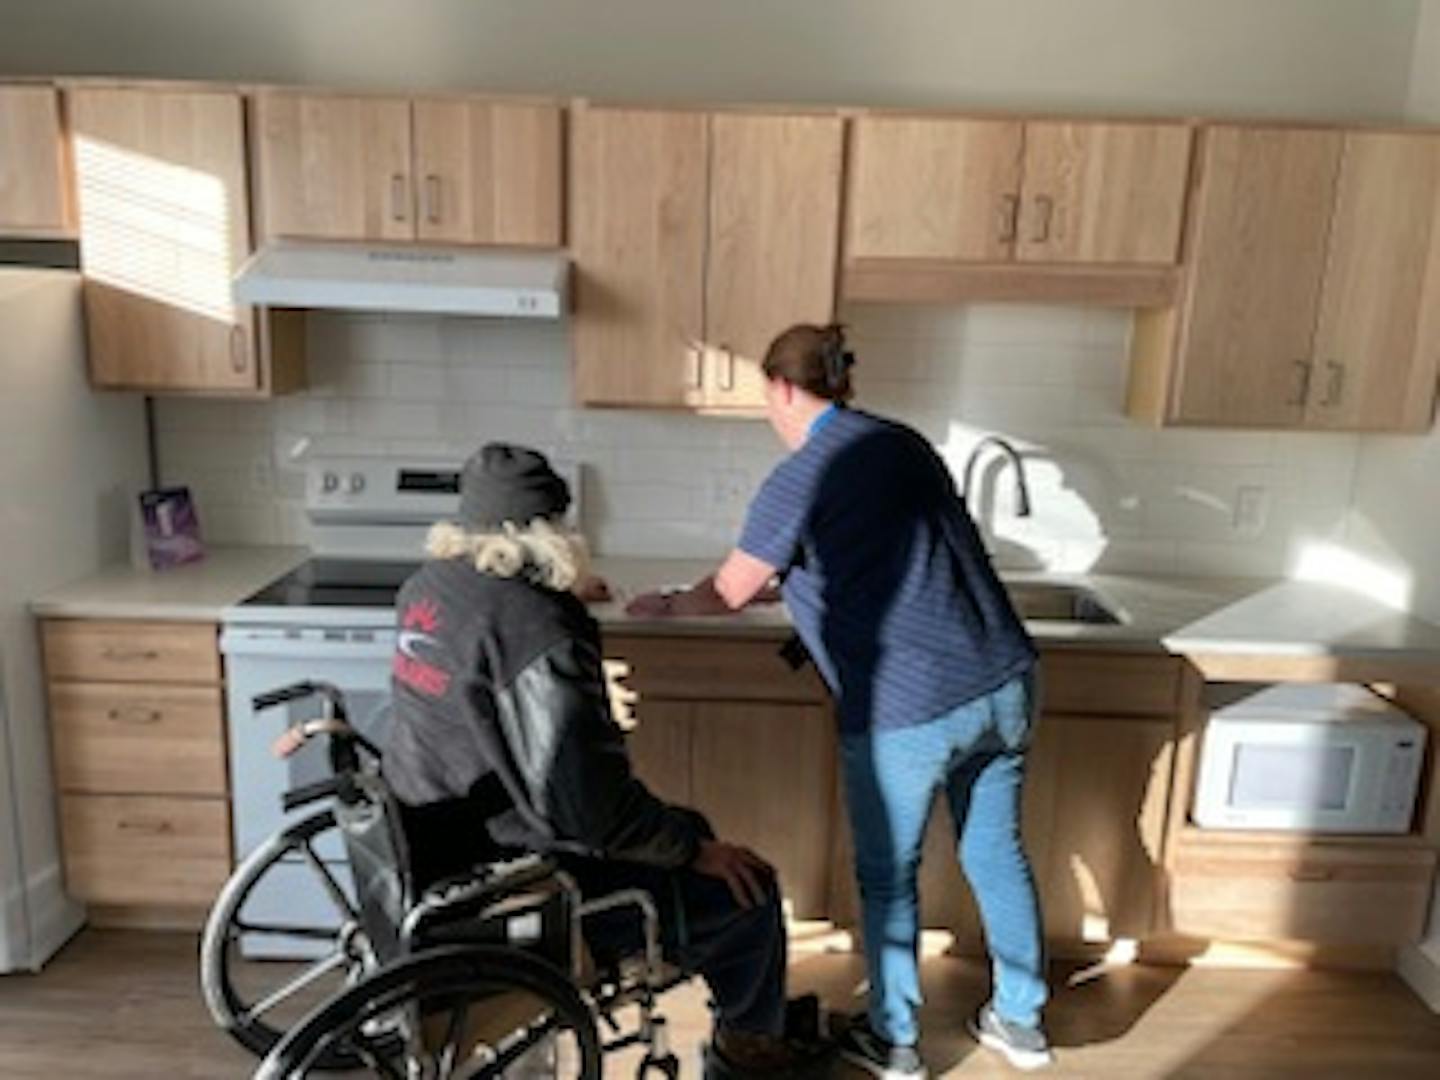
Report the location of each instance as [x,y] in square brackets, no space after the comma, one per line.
[1107,493]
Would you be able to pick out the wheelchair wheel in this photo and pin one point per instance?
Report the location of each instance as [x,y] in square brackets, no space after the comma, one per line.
[468,1011]
[261,974]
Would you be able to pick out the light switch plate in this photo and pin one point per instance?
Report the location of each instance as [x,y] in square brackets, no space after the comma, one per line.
[1252,507]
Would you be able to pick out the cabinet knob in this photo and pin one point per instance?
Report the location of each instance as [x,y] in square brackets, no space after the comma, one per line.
[239,351]
[1044,212]
[694,366]
[1303,369]
[135,715]
[1335,386]
[1009,218]
[432,199]
[398,199]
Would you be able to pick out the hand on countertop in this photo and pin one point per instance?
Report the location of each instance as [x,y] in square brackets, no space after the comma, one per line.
[652,604]
[592,589]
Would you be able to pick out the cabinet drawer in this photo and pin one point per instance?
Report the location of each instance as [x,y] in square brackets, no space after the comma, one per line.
[145,850]
[1342,893]
[131,651]
[119,738]
[1108,684]
[711,669]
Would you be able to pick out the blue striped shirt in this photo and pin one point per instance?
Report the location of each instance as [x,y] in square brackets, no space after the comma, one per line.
[884,573]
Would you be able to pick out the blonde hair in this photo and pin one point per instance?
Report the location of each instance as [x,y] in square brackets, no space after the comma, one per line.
[550,557]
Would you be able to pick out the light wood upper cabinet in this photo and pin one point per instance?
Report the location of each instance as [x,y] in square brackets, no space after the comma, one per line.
[774,238]
[1311,289]
[696,239]
[451,170]
[991,191]
[488,173]
[334,167]
[32,178]
[1377,342]
[933,189]
[1262,214]
[164,223]
[1103,193]
[637,235]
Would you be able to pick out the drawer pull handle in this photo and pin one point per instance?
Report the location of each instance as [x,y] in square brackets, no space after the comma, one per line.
[126,656]
[149,828]
[1311,873]
[1045,211]
[1009,218]
[136,715]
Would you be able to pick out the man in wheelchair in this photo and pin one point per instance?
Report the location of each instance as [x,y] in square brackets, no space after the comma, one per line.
[503,742]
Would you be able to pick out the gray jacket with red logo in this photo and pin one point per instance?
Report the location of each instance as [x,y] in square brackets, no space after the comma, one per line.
[499,691]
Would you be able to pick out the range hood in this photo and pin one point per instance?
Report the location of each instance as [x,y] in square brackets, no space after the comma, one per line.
[373,277]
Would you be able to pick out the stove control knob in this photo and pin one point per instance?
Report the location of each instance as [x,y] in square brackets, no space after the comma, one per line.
[330,482]
[357,483]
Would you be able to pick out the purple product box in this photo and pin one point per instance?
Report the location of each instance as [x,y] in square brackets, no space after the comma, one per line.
[172,529]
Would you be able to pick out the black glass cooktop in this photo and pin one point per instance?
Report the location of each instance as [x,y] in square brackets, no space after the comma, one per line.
[367,583]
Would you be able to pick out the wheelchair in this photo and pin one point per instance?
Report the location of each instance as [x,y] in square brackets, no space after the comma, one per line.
[482,975]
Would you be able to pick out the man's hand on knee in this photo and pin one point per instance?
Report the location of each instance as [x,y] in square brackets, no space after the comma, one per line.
[747,874]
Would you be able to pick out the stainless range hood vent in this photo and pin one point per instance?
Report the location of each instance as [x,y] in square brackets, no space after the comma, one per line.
[437,281]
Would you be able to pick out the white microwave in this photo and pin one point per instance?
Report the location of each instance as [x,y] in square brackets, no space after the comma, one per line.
[1308,757]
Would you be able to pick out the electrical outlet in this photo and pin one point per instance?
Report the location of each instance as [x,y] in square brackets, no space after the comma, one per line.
[1252,507]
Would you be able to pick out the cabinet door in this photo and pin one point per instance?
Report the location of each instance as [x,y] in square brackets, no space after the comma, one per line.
[637,224]
[1261,218]
[164,223]
[764,775]
[933,189]
[488,173]
[774,241]
[1378,339]
[32,190]
[660,749]
[1103,193]
[334,167]
[1104,784]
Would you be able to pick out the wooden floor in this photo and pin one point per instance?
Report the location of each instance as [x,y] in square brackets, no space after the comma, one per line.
[126,1004]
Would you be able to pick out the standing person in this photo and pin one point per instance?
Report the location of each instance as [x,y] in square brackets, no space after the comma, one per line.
[894,597]
[503,741]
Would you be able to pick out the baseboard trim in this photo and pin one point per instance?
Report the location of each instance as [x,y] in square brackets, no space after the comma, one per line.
[1419,966]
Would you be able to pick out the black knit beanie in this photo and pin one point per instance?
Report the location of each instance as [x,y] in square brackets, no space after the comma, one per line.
[503,483]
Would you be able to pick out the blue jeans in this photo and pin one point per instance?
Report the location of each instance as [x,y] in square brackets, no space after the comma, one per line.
[977,754]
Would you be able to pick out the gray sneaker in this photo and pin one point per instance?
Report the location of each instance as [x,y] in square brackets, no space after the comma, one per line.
[862,1047]
[1024,1047]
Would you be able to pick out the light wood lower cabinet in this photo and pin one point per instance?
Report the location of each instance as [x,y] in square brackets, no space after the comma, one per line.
[724,726]
[32,175]
[137,721]
[1269,887]
[137,849]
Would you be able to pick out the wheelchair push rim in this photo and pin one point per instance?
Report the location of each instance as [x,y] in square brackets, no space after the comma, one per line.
[455,1005]
[257,1001]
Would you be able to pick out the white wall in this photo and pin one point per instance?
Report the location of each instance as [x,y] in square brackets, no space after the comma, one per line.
[1341,58]
[1108,493]
[73,461]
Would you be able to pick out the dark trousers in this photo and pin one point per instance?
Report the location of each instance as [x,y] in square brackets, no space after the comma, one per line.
[740,952]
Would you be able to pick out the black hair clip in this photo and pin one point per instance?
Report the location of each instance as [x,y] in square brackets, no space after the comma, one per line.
[838,360]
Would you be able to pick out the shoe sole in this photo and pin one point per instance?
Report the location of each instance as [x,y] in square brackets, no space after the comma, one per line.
[1025,1060]
[860,1061]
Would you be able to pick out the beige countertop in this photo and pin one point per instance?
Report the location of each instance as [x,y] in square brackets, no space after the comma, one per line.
[195,592]
[1212,615]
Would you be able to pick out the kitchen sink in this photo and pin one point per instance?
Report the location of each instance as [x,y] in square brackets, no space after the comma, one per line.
[1043,601]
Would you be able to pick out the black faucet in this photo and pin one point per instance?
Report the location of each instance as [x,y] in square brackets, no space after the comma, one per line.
[1022,488]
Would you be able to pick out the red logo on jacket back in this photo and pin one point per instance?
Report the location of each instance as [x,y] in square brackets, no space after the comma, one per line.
[418,623]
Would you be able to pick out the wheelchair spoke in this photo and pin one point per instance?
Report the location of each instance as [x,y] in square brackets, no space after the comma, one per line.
[337,894]
[450,1048]
[367,1053]
[315,971]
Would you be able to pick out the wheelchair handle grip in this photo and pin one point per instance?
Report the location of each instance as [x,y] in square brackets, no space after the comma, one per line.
[309,793]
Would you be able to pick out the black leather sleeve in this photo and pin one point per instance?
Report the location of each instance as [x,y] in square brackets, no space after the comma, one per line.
[572,764]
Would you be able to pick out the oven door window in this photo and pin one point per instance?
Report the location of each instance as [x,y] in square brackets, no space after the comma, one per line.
[1293,778]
